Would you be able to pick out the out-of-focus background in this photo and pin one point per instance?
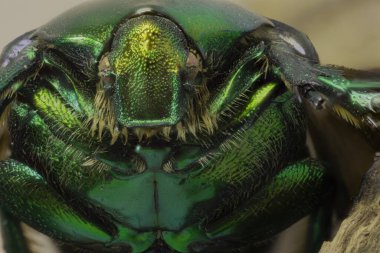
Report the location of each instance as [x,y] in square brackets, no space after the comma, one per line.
[344,32]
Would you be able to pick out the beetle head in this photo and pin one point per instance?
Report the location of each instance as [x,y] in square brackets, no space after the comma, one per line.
[148,63]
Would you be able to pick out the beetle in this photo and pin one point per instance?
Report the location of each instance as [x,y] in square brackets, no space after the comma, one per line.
[167,126]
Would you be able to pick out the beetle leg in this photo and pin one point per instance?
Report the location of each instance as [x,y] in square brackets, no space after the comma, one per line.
[25,194]
[19,60]
[352,95]
[67,82]
[296,191]
[241,80]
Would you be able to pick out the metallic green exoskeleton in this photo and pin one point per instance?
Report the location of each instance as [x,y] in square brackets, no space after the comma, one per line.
[166,126]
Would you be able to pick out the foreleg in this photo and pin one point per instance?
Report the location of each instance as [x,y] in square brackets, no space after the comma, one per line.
[25,195]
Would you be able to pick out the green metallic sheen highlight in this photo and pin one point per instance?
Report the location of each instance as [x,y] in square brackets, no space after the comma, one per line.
[337,83]
[61,157]
[307,178]
[360,96]
[258,213]
[121,64]
[179,241]
[257,99]
[212,24]
[66,92]
[67,166]
[147,58]
[76,93]
[227,95]
[63,119]
[151,194]
[344,85]
[252,150]
[17,85]
[31,53]
[359,84]
[244,76]
[91,43]
[51,106]
[17,66]
[29,196]
[362,99]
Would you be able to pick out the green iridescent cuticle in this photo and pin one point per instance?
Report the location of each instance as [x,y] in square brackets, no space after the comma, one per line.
[55,109]
[344,85]
[95,45]
[191,154]
[257,99]
[243,76]
[147,57]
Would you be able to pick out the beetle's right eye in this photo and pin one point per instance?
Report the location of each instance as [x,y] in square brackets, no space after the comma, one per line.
[194,68]
[105,74]
[108,80]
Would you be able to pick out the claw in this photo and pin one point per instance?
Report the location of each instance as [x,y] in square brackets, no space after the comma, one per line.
[115,135]
[376,157]
[374,124]
[316,99]
[375,104]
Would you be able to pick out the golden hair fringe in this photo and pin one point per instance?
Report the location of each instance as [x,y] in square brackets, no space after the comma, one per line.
[346,115]
[197,119]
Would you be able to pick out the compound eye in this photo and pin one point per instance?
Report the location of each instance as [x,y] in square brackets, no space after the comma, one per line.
[107,77]
[193,65]
[194,69]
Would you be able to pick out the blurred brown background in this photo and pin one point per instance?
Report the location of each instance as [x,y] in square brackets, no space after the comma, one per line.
[344,32]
